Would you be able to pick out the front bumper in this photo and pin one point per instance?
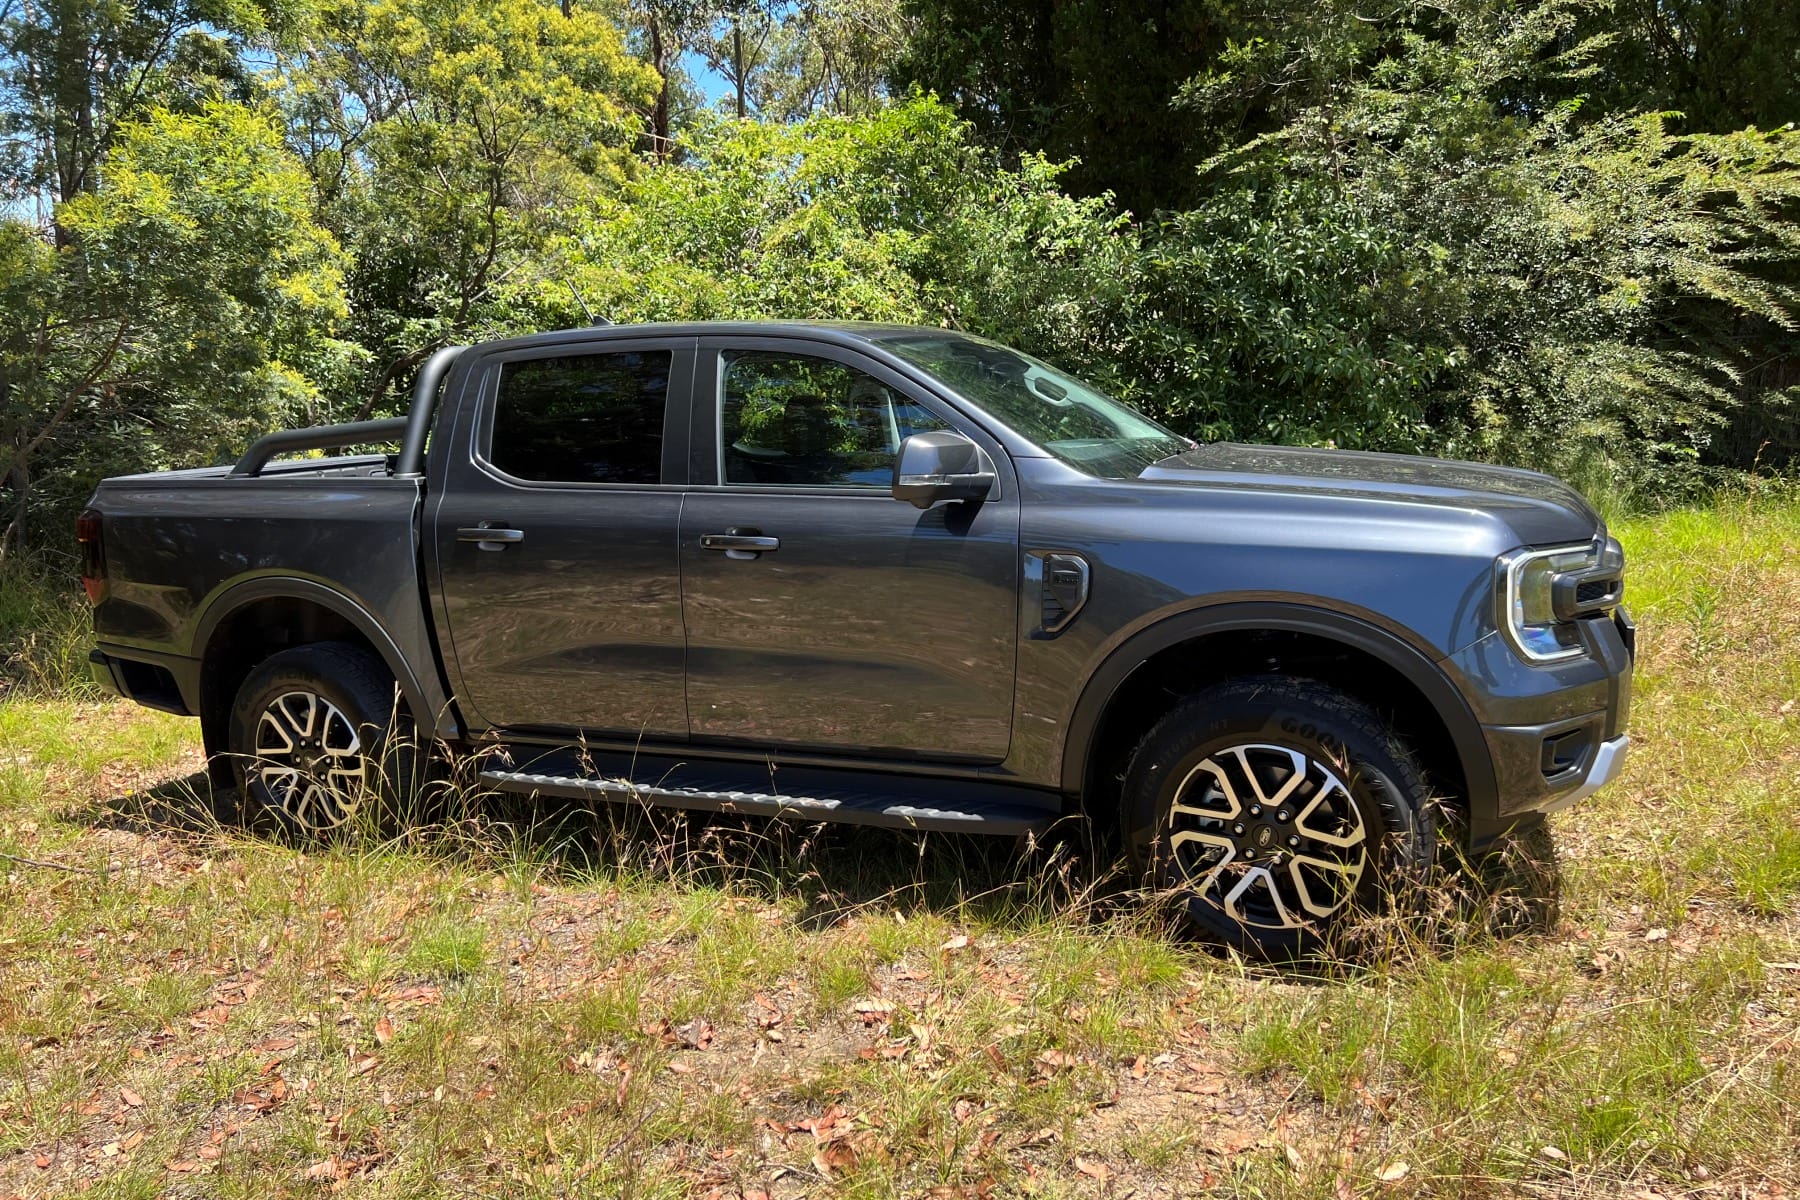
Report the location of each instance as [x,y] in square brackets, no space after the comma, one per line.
[1554,734]
[1608,762]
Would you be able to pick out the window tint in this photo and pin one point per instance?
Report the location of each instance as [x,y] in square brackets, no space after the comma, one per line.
[590,418]
[793,419]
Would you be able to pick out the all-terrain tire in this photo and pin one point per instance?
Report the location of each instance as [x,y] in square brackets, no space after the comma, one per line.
[1275,811]
[321,745]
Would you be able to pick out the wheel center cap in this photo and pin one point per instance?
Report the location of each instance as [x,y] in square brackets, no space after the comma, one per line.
[1265,837]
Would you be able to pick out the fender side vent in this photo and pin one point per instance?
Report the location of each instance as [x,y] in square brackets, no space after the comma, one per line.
[1063,590]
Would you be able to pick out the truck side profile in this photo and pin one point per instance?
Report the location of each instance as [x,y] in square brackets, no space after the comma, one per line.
[890,575]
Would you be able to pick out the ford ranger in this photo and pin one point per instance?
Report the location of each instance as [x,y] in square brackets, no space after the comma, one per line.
[882,574]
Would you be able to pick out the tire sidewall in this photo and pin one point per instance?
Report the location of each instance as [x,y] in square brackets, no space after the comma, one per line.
[1383,781]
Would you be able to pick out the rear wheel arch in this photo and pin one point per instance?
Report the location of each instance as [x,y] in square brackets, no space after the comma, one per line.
[254,621]
[1157,667]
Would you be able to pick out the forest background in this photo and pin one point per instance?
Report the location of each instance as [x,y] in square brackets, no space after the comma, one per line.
[1554,232]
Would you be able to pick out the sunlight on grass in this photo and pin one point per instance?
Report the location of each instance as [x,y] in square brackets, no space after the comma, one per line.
[556,1002]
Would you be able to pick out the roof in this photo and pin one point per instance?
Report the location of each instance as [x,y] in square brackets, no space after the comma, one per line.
[830,331]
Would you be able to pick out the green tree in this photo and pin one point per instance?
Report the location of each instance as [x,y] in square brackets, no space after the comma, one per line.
[1575,289]
[898,215]
[1079,80]
[665,28]
[72,71]
[1722,64]
[831,56]
[191,305]
[447,140]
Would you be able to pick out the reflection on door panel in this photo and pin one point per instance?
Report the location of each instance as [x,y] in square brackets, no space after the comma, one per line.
[870,625]
[577,624]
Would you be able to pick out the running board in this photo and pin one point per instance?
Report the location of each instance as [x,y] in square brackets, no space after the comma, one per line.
[935,806]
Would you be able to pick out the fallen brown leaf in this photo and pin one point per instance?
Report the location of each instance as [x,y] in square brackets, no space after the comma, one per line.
[1099,1171]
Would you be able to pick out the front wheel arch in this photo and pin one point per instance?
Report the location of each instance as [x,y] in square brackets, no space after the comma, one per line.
[1109,717]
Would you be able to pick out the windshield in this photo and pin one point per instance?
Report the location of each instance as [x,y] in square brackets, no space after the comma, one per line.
[1090,431]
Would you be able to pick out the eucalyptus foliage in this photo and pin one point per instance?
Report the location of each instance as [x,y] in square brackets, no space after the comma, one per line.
[1466,227]
[191,305]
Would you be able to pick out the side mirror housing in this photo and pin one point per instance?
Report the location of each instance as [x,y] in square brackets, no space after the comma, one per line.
[938,466]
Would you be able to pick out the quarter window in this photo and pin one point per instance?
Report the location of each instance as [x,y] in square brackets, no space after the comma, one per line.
[588,418]
[793,419]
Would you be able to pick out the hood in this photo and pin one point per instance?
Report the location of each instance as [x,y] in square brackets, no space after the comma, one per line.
[1541,510]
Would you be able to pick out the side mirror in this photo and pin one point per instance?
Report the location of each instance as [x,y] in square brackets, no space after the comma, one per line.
[932,467]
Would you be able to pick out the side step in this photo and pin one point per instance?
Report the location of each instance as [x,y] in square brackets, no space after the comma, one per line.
[890,801]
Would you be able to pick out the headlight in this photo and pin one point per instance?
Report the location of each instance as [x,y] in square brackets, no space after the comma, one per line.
[1529,605]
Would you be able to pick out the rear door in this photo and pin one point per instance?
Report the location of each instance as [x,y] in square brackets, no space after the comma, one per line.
[851,622]
[555,530]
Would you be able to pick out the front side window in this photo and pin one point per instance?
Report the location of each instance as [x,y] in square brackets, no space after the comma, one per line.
[584,418]
[796,420]
[1078,424]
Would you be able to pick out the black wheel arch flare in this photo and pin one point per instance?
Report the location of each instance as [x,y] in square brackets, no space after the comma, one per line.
[1412,663]
[237,597]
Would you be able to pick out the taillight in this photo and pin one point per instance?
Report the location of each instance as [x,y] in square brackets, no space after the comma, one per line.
[93,554]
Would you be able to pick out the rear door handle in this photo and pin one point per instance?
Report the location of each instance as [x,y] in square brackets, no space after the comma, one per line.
[490,539]
[739,545]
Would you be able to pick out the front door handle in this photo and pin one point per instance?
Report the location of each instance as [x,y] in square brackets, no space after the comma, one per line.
[739,543]
[486,538]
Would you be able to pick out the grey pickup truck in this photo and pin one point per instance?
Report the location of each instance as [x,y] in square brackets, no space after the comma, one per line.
[889,575]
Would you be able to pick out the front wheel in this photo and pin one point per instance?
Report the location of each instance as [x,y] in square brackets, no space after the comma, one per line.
[1276,810]
[317,737]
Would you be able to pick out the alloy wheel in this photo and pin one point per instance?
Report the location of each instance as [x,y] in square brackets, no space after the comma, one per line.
[1270,834]
[309,757]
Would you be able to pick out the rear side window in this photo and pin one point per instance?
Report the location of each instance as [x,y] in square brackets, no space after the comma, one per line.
[588,418]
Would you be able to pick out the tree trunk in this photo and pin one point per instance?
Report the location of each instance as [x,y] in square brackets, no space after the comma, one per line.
[659,116]
[395,370]
[737,62]
[13,535]
[72,128]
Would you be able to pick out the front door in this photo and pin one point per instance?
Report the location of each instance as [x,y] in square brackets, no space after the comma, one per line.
[556,544]
[822,614]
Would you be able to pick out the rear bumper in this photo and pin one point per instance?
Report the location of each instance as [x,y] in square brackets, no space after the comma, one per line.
[161,681]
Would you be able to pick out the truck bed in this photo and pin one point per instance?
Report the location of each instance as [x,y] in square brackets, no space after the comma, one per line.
[187,549]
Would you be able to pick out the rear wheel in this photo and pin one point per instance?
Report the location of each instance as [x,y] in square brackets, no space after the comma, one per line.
[1276,810]
[317,739]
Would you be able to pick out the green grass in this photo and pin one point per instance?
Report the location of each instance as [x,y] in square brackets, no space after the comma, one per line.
[43,632]
[566,1003]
